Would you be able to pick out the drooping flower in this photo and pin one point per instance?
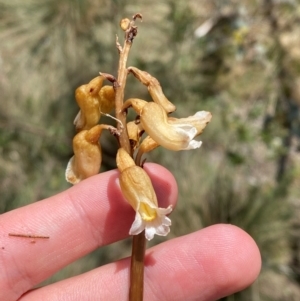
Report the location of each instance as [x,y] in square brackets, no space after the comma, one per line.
[173,134]
[87,98]
[87,158]
[137,189]
[93,99]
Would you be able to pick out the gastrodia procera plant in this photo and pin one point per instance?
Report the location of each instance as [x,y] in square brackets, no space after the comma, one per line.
[153,127]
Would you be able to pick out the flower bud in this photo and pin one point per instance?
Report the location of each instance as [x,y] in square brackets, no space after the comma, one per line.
[137,189]
[154,88]
[124,24]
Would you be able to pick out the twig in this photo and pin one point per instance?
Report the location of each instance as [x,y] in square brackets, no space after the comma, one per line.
[28,235]
[117,120]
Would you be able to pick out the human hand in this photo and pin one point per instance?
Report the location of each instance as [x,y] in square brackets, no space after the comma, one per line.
[205,265]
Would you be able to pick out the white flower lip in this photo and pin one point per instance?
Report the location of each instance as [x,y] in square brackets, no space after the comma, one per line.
[159,226]
[199,120]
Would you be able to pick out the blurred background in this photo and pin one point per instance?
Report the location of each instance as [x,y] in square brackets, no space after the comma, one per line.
[238,59]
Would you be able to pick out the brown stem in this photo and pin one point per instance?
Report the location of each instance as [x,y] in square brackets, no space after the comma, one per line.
[136,290]
[130,33]
[139,242]
[122,75]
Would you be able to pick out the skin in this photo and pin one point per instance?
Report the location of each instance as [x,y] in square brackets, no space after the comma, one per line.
[204,265]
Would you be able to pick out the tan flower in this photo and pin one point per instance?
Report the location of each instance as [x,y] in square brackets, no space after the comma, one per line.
[93,99]
[87,158]
[174,134]
[87,98]
[137,189]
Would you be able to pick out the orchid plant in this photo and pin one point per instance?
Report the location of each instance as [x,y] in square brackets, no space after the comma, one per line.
[153,127]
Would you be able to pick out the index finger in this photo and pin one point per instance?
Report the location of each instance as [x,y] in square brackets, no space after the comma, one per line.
[88,215]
